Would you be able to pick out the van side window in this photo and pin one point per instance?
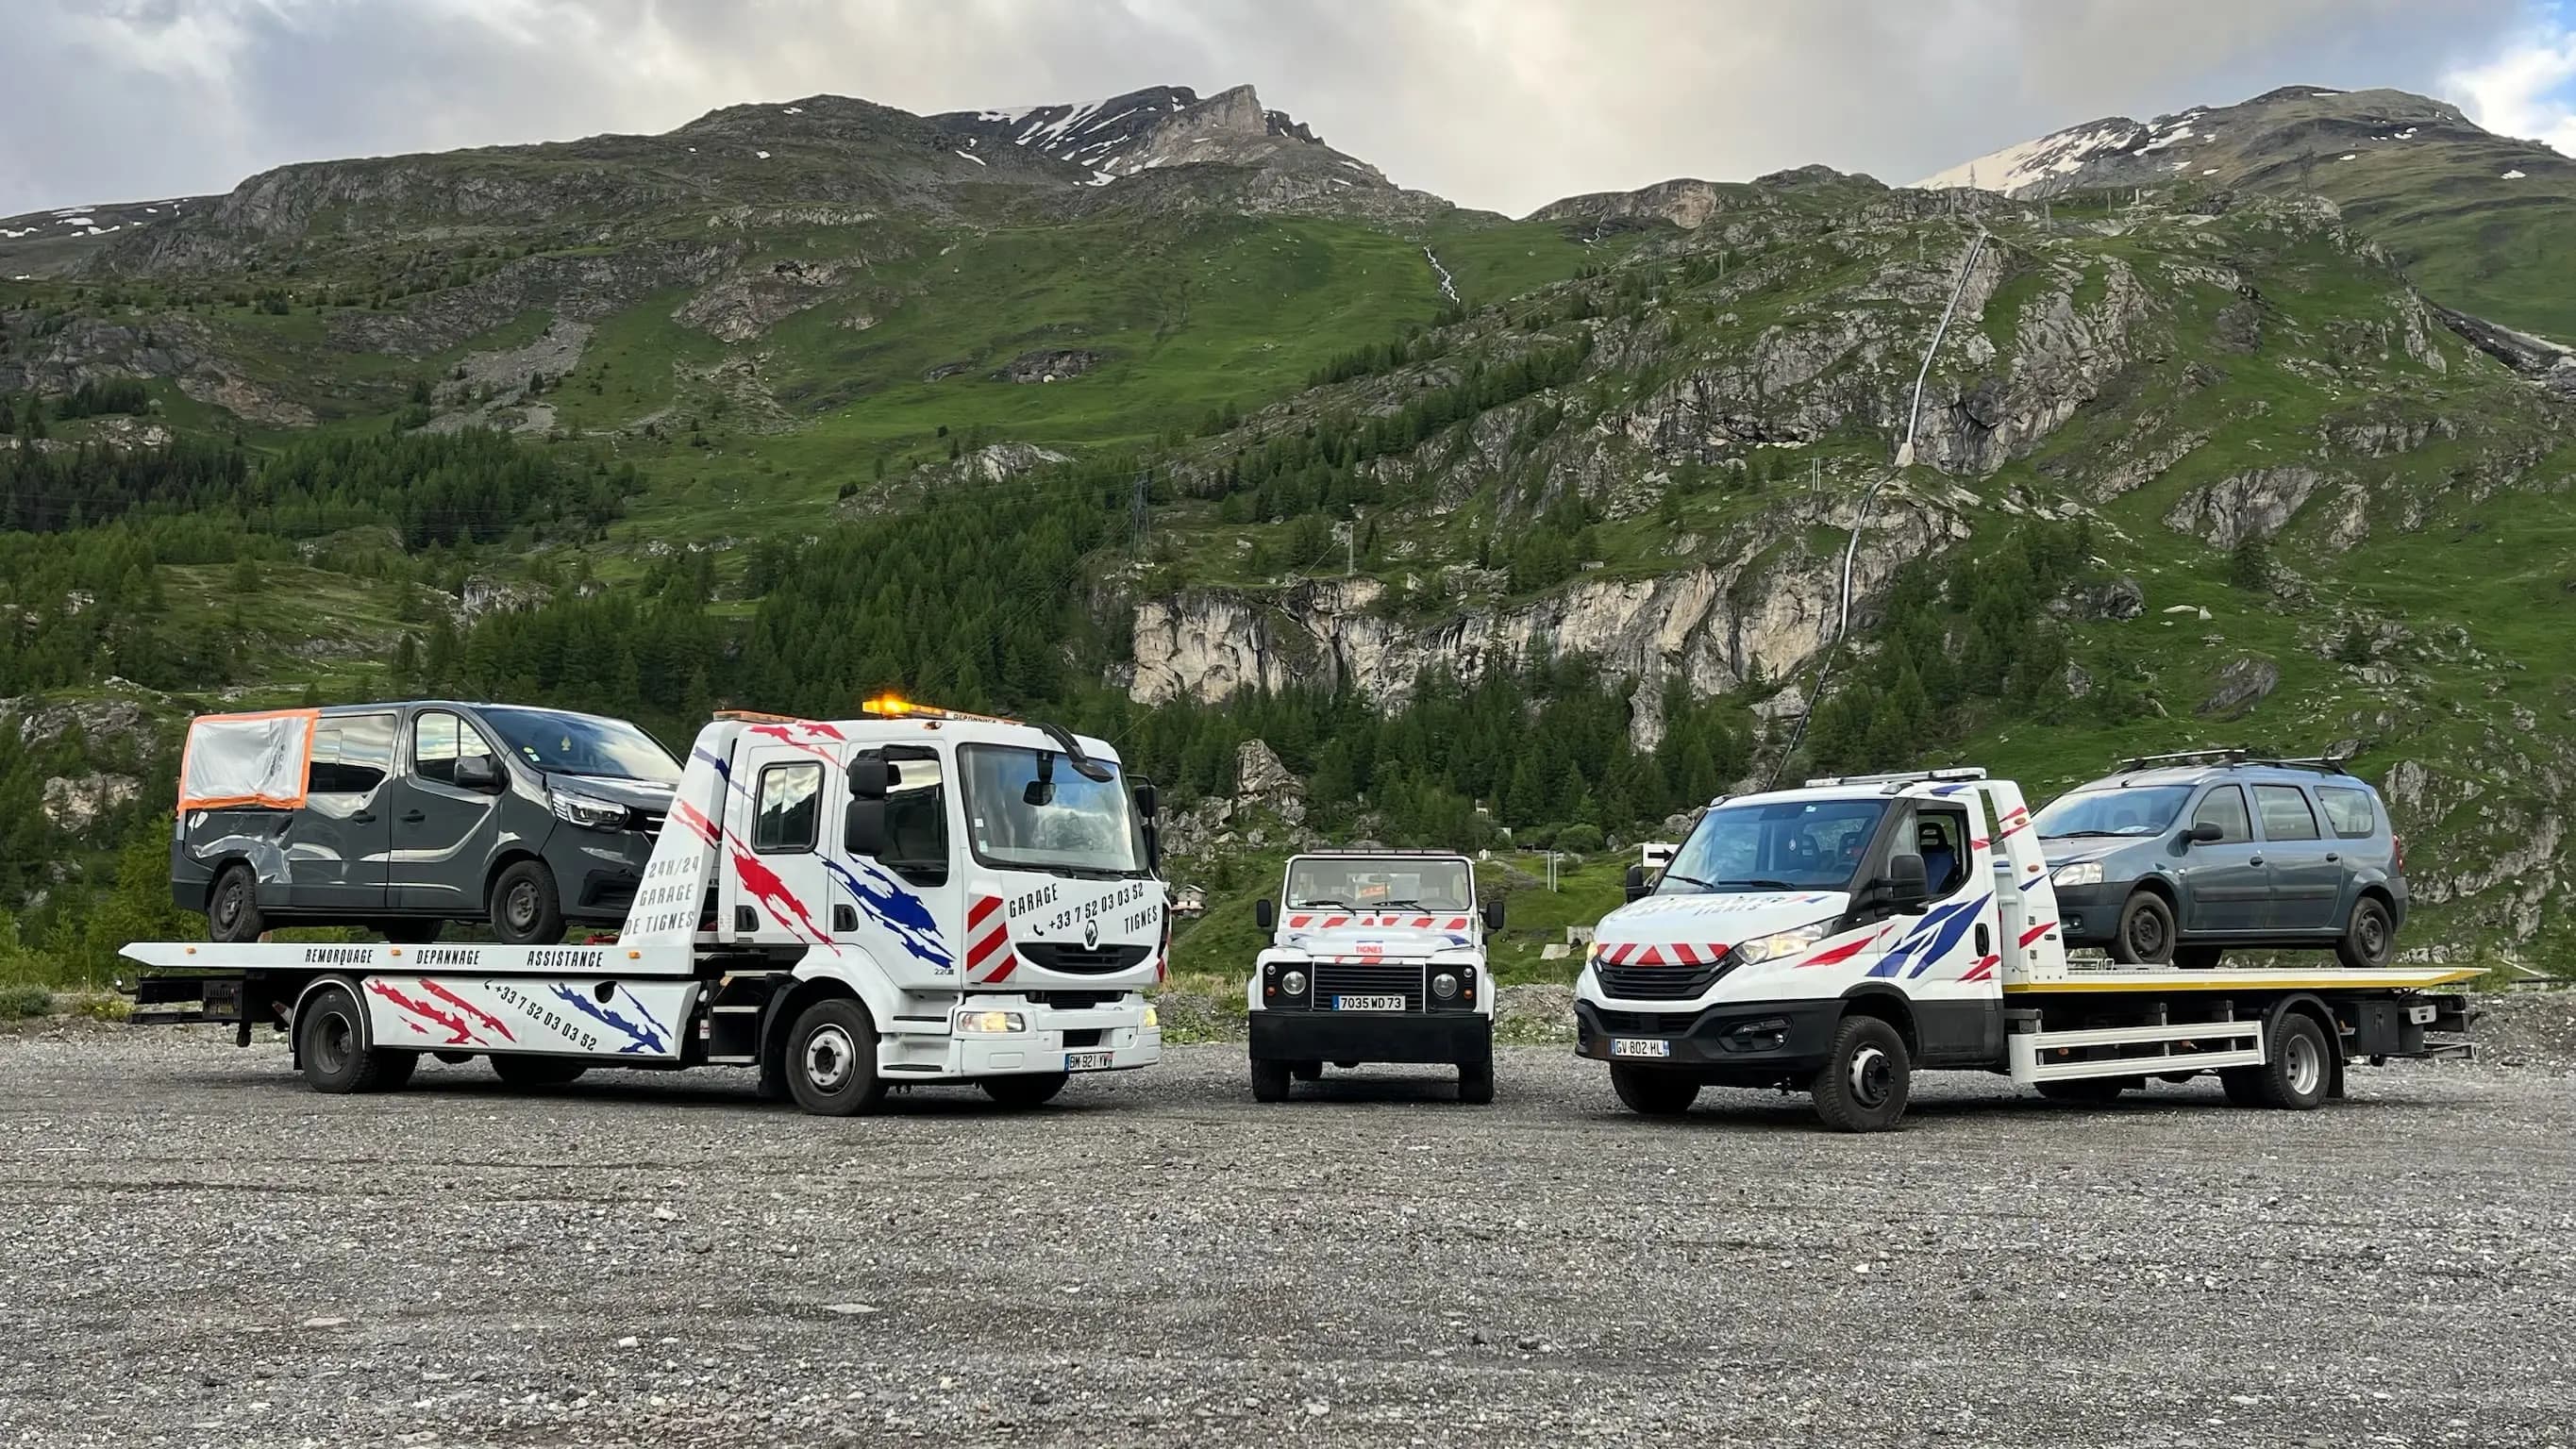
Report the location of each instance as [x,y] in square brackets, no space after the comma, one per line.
[2286,815]
[352,754]
[790,797]
[2224,807]
[2353,813]
[437,739]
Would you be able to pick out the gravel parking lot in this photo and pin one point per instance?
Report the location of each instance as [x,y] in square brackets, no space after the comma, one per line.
[194,1249]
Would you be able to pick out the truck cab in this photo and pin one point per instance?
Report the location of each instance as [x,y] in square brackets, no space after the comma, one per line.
[1374,956]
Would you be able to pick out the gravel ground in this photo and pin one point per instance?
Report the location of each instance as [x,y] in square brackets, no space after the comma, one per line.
[196,1250]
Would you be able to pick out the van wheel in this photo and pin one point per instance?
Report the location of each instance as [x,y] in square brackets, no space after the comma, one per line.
[331,1042]
[2369,940]
[525,909]
[1023,1092]
[2300,1069]
[1476,1083]
[1269,1080]
[1650,1093]
[519,1071]
[411,933]
[2199,958]
[232,907]
[832,1060]
[1866,1079]
[2146,935]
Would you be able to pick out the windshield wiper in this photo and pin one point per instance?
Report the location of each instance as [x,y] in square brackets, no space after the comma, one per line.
[2073,834]
[1759,884]
[1706,885]
[1316,905]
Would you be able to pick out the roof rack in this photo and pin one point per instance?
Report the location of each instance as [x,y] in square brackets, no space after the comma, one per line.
[1899,778]
[2322,764]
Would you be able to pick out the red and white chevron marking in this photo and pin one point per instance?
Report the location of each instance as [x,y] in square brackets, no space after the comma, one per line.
[1383,923]
[988,943]
[1667,953]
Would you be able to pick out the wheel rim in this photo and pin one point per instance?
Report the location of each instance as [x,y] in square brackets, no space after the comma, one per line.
[2146,934]
[521,906]
[1872,1077]
[335,1041]
[2302,1063]
[2373,932]
[228,905]
[831,1059]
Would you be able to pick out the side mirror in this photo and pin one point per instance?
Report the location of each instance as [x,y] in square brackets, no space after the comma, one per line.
[1263,914]
[1148,803]
[872,778]
[1636,885]
[1494,913]
[1906,886]
[1153,845]
[863,826]
[2206,832]
[478,772]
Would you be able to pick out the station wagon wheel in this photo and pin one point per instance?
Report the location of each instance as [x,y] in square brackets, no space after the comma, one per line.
[2370,940]
[2146,934]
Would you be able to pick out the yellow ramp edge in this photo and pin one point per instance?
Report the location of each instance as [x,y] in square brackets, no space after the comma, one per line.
[2393,979]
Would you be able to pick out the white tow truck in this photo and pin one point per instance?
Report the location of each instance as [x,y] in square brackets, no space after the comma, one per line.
[1375,956]
[1838,937]
[919,896]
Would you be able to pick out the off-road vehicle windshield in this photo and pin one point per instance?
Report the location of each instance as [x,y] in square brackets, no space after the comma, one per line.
[1397,884]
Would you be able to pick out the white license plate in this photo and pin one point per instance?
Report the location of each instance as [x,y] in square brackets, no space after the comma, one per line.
[1634,1046]
[1086,1061]
[1368,1003]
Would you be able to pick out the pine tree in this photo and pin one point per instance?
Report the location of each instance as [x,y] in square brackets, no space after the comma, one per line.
[2249,567]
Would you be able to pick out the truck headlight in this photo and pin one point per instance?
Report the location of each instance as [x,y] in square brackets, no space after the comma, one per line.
[1444,986]
[991,1023]
[1782,943]
[584,811]
[1153,1017]
[2082,874]
[1293,982]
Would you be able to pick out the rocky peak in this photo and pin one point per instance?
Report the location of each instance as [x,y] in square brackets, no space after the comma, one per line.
[1156,127]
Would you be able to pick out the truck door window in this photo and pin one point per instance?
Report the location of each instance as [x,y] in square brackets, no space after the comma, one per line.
[2354,815]
[438,739]
[916,817]
[1940,836]
[2286,815]
[2224,807]
[352,754]
[789,799]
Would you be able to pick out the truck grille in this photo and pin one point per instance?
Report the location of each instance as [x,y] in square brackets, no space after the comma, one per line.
[1364,980]
[1655,983]
[1082,960]
[1644,1023]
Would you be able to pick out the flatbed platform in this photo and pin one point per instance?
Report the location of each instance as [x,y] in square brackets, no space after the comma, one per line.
[378,957]
[2081,980]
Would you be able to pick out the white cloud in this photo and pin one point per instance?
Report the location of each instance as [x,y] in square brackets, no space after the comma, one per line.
[2526,91]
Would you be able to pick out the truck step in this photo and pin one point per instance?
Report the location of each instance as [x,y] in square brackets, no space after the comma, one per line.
[2214,1044]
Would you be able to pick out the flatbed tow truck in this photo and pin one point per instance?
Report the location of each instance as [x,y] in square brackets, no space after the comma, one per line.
[1836,938]
[981,909]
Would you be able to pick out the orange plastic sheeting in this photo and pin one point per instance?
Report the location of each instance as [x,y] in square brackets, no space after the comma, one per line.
[248,759]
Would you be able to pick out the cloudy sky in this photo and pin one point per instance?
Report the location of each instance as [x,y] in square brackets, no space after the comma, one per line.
[1504,104]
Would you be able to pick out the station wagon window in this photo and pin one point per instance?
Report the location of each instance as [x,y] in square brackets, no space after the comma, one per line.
[352,754]
[2353,813]
[437,740]
[790,797]
[2286,815]
[2224,807]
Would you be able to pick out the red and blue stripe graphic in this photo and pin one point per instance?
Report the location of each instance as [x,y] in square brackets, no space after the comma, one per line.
[643,1035]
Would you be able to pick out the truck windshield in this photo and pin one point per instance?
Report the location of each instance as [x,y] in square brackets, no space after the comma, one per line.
[2144,811]
[1400,884]
[583,744]
[1774,846]
[1064,823]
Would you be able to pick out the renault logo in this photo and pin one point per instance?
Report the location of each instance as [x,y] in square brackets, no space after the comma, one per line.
[1090,934]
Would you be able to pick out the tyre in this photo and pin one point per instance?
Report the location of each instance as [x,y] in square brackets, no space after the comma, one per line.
[1269,1080]
[2085,1089]
[1023,1092]
[2244,1085]
[2369,939]
[232,907]
[1476,1083]
[2199,958]
[1306,1071]
[2146,935]
[832,1060]
[526,911]
[331,1042]
[519,1071]
[411,933]
[1650,1093]
[1866,1079]
[1345,1066]
[2301,1068]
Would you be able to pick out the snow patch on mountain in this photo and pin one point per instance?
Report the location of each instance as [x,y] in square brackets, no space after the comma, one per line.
[2016,168]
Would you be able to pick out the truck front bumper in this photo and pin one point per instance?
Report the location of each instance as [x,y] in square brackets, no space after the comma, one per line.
[1446,1037]
[1112,1038]
[1754,1042]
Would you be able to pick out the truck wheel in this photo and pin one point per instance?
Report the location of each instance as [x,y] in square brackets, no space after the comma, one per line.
[2146,934]
[1306,1071]
[1345,1066]
[2300,1069]
[232,907]
[2199,958]
[1650,1093]
[1476,1083]
[519,1071]
[832,1060]
[411,933]
[2369,940]
[1269,1080]
[331,1041]
[2244,1085]
[2084,1089]
[525,908]
[1024,1092]
[1866,1079]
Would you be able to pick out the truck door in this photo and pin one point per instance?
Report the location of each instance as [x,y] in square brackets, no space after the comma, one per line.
[335,846]
[2306,872]
[774,872]
[443,829]
[2227,884]
[902,904]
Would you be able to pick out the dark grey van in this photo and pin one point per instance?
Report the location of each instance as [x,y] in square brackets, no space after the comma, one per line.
[2182,858]
[423,813]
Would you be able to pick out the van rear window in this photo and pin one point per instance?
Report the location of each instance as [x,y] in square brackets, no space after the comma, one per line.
[352,754]
[2353,813]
